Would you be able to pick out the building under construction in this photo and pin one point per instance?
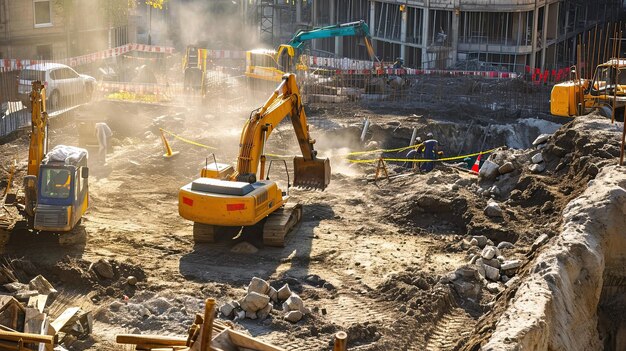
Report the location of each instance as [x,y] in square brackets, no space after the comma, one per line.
[477,34]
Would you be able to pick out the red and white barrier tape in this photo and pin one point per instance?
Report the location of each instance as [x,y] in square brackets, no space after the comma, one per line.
[17,64]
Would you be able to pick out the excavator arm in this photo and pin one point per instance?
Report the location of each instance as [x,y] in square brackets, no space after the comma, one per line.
[284,101]
[39,128]
[355,29]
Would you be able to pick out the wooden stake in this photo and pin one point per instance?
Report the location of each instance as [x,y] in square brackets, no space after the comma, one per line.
[340,341]
[207,325]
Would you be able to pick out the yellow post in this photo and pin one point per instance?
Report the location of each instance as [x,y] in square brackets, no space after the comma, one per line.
[168,150]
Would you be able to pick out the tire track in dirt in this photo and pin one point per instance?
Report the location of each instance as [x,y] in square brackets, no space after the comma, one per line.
[448,331]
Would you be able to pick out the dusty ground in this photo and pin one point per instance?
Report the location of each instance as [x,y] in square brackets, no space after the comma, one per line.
[385,248]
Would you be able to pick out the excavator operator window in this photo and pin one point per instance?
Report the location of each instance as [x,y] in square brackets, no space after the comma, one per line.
[56,183]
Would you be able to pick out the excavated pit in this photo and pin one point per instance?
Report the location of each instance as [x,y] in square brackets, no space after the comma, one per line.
[571,293]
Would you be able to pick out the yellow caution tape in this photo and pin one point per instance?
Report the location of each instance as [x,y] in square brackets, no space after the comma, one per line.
[382,150]
[423,160]
[355,153]
[187,140]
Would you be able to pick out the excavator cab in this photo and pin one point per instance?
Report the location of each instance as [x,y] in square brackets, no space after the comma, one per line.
[62,195]
[311,174]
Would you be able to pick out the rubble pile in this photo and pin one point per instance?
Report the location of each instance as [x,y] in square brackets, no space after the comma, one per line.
[260,301]
[26,309]
[494,269]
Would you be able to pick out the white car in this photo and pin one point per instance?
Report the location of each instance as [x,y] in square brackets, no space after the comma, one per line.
[62,84]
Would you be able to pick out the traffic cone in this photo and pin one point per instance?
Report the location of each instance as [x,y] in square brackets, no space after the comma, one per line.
[168,150]
[476,166]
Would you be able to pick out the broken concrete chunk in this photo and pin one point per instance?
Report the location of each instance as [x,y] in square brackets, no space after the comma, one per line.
[493,209]
[491,273]
[506,168]
[284,292]
[466,289]
[251,315]
[489,170]
[258,285]
[481,239]
[103,269]
[494,262]
[15,287]
[493,288]
[273,294]
[537,158]
[537,168]
[490,243]
[474,242]
[542,239]
[227,309]
[265,311]
[254,302]
[511,281]
[240,315]
[541,139]
[294,303]
[42,285]
[26,294]
[293,316]
[513,264]
[498,253]
[505,245]
[488,252]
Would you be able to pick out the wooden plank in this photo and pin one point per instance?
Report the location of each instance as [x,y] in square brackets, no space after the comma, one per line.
[33,321]
[38,302]
[242,340]
[64,318]
[134,339]
[26,337]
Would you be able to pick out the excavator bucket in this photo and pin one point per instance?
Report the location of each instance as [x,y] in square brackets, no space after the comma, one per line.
[313,174]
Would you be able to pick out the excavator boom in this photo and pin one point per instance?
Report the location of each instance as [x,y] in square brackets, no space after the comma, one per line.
[309,171]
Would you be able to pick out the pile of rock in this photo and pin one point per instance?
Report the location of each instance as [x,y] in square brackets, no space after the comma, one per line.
[260,300]
[491,264]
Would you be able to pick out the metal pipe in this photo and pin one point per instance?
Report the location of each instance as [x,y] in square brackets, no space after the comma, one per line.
[617,72]
[366,125]
[413,136]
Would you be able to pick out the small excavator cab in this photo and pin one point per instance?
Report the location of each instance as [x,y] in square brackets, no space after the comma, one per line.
[311,174]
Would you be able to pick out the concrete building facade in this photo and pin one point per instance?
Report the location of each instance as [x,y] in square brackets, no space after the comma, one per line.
[495,34]
[51,29]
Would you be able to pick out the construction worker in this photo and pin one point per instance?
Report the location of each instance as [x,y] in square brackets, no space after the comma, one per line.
[414,154]
[431,148]
[103,132]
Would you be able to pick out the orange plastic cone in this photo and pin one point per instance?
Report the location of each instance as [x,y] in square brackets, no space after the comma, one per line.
[476,166]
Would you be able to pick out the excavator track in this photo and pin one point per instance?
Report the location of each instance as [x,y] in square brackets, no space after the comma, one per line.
[280,223]
[204,233]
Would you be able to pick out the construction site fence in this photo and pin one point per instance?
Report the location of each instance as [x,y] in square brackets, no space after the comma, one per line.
[413,89]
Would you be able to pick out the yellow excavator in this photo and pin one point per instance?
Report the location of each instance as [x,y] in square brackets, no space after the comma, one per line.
[55,193]
[605,92]
[224,198]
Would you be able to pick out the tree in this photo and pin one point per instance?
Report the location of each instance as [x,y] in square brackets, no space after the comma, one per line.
[157,4]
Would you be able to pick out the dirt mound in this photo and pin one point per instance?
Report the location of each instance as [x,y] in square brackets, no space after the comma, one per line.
[572,157]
